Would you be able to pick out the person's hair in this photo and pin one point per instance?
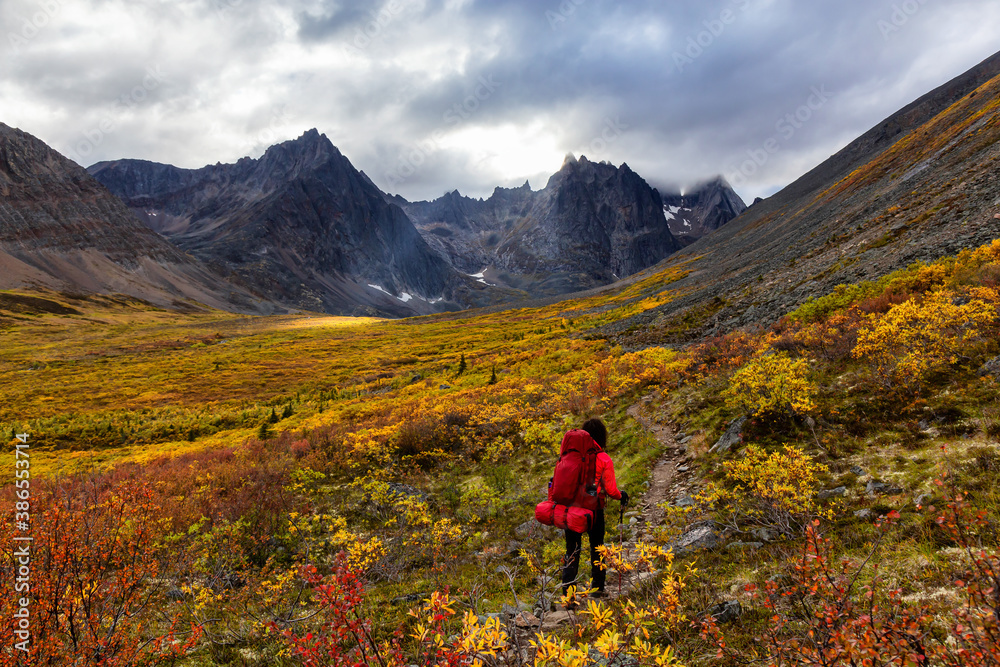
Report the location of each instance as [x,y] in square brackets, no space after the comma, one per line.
[595,427]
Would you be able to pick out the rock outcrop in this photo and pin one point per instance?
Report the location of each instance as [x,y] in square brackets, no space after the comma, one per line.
[702,209]
[592,224]
[61,229]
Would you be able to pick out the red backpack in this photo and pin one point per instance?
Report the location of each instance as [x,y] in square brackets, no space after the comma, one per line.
[574,482]
[573,488]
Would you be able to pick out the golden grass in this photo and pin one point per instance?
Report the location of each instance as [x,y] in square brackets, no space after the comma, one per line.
[127,381]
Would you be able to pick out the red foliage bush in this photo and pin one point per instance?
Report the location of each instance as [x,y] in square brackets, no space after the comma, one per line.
[300,448]
[344,636]
[93,590]
[825,616]
[724,353]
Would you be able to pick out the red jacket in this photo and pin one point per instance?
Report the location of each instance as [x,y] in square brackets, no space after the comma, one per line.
[606,483]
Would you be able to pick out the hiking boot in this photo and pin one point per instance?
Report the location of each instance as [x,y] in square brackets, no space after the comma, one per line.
[598,594]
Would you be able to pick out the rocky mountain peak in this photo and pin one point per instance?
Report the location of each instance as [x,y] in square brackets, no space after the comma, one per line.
[312,147]
[300,225]
[701,209]
[593,222]
[61,229]
[579,169]
[292,158]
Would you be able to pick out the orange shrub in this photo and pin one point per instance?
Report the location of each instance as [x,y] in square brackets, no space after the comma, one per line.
[93,590]
[724,353]
[832,338]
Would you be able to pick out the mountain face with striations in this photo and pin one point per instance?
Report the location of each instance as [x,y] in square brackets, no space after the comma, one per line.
[60,229]
[592,224]
[300,225]
[701,210]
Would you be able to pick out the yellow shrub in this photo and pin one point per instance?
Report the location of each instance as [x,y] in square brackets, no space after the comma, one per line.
[479,501]
[369,447]
[917,337]
[774,490]
[771,384]
[655,364]
[363,555]
[540,437]
[621,373]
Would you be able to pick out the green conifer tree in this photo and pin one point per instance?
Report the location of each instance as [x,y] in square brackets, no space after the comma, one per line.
[264,432]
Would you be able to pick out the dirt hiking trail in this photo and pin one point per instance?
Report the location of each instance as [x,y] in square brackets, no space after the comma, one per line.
[670,477]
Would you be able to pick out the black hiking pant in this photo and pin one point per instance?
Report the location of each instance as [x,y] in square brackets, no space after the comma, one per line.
[574,545]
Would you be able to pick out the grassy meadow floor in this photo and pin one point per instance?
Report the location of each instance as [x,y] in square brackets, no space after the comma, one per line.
[418,447]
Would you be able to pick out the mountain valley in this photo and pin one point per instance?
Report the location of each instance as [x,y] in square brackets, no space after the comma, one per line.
[273,415]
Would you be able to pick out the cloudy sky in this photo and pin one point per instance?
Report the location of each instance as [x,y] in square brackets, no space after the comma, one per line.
[431,95]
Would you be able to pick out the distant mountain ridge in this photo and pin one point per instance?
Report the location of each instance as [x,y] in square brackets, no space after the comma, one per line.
[60,229]
[467,230]
[300,225]
[592,224]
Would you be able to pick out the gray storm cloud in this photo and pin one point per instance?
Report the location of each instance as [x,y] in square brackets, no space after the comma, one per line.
[431,96]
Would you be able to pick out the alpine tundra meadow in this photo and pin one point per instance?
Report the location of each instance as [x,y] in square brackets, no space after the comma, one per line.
[273,395]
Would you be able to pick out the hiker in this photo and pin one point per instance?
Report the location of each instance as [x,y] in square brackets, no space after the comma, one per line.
[606,486]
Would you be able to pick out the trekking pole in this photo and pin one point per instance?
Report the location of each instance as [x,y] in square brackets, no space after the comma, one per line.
[621,530]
